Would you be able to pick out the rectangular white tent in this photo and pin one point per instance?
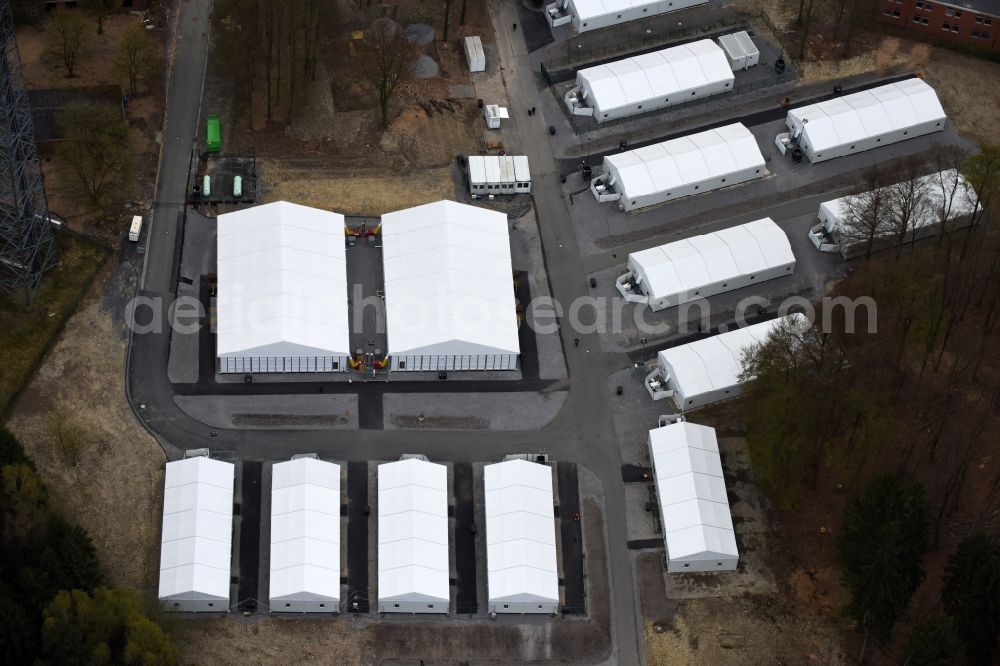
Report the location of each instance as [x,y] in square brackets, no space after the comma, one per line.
[703,266]
[691,492]
[650,81]
[705,371]
[449,289]
[499,174]
[521,569]
[413,569]
[282,290]
[740,50]
[305,537]
[197,540]
[593,14]
[865,120]
[948,197]
[680,167]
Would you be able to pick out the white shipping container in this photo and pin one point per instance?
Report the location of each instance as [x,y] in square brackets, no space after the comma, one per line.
[474,54]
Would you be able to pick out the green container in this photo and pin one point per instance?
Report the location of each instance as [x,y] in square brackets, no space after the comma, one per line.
[213,135]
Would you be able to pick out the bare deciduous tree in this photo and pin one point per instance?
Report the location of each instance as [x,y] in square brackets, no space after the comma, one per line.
[136,56]
[386,61]
[867,213]
[69,29]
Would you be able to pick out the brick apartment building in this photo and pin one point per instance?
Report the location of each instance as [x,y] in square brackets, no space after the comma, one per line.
[974,22]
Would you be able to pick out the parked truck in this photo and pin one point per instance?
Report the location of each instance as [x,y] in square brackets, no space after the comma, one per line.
[135,229]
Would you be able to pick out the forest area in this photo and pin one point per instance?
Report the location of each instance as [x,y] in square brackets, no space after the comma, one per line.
[890,438]
[54,605]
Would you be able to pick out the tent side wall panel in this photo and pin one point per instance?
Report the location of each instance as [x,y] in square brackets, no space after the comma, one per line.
[302,606]
[658,302]
[409,363]
[631,14]
[871,142]
[655,103]
[281,364]
[715,183]
[695,566]
[696,400]
[523,607]
[402,606]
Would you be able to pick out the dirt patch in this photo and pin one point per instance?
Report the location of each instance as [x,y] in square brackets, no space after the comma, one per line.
[289,420]
[356,193]
[953,76]
[441,422]
[104,471]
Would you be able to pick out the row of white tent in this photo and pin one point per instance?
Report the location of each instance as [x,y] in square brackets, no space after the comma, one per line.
[702,266]
[282,301]
[942,199]
[729,155]
[691,494]
[586,15]
[305,542]
[650,81]
[708,370]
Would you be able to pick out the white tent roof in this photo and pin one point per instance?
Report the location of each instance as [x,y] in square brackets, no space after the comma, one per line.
[861,115]
[305,530]
[690,159]
[196,546]
[413,531]
[520,532]
[282,282]
[589,9]
[448,281]
[658,74]
[715,363]
[694,507]
[690,264]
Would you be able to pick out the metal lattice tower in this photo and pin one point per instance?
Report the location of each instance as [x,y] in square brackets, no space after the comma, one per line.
[27,247]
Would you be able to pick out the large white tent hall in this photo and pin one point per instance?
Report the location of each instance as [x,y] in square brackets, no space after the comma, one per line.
[449,289]
[521,570]
[708,370]
[946,197]
[197,540]
[691,493]
[650,81]
[863,120]
[680,167]
[305,536]
[282,290]
[703,266]
[593,14]
[413,570]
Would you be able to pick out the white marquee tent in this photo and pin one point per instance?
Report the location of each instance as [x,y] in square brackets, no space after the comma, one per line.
[865,120]
[651,81]
[680,167]
[197,539]
[282,290]
[694,508]
[707,370]
[413,570]
[305,537]
[593,14]
[449,291]
[947,196]
[522,574]
[702,266]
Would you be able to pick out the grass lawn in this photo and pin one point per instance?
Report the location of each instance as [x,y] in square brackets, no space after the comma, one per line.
[27,332]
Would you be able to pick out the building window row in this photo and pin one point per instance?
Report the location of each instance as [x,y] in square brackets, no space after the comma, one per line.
[957,13]
[980,35]
[921,21]
[948,26]
[926,6]
[982,20]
